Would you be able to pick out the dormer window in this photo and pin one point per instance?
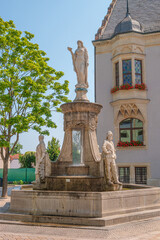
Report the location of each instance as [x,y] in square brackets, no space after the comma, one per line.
[127,71]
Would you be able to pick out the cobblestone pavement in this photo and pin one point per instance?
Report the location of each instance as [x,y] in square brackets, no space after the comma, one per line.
[141,230]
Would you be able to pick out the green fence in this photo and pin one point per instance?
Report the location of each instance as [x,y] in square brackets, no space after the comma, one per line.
[24,174]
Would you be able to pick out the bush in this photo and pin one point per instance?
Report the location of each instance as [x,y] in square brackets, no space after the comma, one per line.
[53,149]
[27,160]
[20,182]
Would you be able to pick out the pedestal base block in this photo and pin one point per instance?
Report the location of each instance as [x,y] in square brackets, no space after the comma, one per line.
[75,183]
[77,171]
[84,204]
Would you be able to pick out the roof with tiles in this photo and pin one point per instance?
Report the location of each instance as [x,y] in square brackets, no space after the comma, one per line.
[146,12]
[13,157]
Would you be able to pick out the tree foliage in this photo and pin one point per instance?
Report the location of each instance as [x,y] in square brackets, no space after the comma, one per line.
[17,149]
[27,160]
[53,149]
[29,89]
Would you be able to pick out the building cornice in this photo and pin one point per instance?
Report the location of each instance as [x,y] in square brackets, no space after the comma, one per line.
[145,40]
[129,100]
[103,41]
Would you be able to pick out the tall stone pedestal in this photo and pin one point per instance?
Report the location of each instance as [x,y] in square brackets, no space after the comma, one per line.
[79,166]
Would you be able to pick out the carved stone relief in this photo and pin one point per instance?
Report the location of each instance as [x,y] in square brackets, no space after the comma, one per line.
[78,120]
[127,109]
[93,120]
[126,50]
[138,49]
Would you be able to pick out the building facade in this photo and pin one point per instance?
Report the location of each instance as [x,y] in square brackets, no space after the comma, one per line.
[127,83]
[14,161]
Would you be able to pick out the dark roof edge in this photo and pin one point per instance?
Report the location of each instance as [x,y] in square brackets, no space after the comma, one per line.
[142,33]
[106,19]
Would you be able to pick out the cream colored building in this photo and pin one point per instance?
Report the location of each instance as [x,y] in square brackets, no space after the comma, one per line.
[127,51]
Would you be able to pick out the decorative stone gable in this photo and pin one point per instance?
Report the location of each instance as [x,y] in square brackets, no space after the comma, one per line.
[127,109]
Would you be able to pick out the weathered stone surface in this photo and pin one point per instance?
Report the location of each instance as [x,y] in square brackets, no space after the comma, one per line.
[78,183]
[43,163]
[77,170]
[82,116]
[84,204]
[84,221]
[109,157]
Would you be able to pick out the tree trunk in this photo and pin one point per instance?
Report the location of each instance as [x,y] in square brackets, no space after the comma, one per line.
[5,176]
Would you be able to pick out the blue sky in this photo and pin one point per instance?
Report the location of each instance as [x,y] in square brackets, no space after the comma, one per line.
[56,25]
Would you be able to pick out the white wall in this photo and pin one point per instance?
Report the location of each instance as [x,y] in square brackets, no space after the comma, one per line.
[103,96]
[153,84]
[15,163]
[105,122]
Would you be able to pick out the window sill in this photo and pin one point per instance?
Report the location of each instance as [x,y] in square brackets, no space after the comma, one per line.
[132,148]
[131,93]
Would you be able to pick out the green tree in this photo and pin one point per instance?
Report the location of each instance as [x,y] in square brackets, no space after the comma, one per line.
[53,149]
[29,90]
[27,160]
[17,148]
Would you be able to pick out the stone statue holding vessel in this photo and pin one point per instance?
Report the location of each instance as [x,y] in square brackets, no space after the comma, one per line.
[80,64]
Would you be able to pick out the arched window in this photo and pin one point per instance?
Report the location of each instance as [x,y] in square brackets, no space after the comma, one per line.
[131,129]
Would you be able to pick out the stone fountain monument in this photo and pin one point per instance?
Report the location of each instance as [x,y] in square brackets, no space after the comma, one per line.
[79,166]
[81,187]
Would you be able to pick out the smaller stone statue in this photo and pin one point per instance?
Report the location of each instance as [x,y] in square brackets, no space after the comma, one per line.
[43,163]
[80,63]
[109,157]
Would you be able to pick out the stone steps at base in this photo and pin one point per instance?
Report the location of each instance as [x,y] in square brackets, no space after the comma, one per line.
[137,216]
[94,222]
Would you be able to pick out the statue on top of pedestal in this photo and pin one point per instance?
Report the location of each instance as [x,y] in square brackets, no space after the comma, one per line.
[80,63]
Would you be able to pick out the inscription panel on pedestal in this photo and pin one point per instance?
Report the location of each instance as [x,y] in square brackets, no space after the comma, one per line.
[77,147]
